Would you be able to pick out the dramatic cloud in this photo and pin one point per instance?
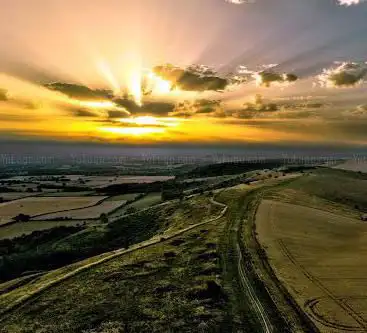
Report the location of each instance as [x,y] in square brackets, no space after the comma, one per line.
[207,107]
[345,74]
[193,78]
[259,108]
[155,108]
[17,101]
[350,2]
[216,109]
[117,114]
[360,112]
[204,106]
[83,113]
[265,76]
[268,77]
[3,95]
[79,91]
[253,109]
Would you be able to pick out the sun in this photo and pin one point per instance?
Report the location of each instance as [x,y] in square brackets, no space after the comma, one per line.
[157,85]
[136,81]
[141,126]
[132,131]
[151,121]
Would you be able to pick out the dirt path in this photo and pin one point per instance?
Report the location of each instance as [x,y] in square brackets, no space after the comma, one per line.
[237,261]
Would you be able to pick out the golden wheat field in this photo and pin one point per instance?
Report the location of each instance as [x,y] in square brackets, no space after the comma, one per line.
[320,257]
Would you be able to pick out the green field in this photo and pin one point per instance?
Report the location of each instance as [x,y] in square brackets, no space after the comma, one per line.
[149,200]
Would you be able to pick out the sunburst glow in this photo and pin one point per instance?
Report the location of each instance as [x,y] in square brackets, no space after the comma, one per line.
[158,85]
[96,105]
[136,131]
[152,121]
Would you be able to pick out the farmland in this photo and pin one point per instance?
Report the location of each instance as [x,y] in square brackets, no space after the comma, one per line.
[301,266]
[320,258]
[41,205]
[315,243]
[93,212]
[21,183]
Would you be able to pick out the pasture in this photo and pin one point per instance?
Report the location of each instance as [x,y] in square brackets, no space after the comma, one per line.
[320,258]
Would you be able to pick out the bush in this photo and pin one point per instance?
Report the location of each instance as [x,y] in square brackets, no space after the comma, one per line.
[169,255]
[22,218]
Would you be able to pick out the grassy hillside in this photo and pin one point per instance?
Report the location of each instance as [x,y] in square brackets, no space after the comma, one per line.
[51,249]
[338,189]
[172,286]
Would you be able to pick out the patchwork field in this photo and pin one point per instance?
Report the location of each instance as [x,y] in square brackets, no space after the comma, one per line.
[100,181]
[42,205]
[320,257]
[21,183]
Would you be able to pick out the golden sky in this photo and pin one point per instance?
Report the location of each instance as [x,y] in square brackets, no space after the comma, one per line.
[96,71]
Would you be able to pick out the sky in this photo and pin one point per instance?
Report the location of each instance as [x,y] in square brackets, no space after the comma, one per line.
[184,71]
